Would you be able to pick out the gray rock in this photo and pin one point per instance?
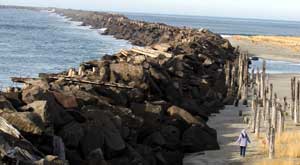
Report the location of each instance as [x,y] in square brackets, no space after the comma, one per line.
[71,134]
[93,139]
[51,112]
[125,72]
[5,105]
[28,122]
[171,135]
[103,127]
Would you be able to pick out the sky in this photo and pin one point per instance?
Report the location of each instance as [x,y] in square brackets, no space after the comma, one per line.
[263,9]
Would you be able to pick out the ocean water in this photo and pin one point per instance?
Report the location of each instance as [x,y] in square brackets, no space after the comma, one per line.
[225,26]
[233,26]
[276,66]
[33,42]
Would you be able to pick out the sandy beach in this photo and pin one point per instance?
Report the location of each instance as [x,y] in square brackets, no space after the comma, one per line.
[269,47]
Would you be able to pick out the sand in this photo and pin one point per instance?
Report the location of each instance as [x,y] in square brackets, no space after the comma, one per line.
[269,47]
[229,124]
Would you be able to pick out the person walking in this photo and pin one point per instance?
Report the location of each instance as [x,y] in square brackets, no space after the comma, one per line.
[243,141]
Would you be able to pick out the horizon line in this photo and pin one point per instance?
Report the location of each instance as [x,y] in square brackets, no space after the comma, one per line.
[152,13]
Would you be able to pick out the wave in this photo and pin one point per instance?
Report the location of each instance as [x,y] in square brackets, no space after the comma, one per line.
[102,30]
[77,24]
[226,36]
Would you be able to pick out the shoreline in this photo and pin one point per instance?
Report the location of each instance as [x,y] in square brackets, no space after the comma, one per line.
[142,98]
[278,48]
[123,107]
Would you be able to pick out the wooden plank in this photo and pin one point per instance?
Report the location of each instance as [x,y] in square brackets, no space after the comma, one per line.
[71,79]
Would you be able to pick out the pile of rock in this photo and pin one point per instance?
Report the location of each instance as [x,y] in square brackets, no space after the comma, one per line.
[139,106]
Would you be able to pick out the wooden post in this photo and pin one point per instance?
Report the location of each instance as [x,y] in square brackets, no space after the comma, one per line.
[293,88]
[281,119]
[94,70]
[269,126]
[245,81]
[252,77]
[263,79]
[227,74]
[81,71]
[274,113]
[296,110]
[70,72]
[268,112]
[285,105]
[254,112]
[241,72]
[233,81]
[258,82]
[272,143]
[258,119]
[264,99]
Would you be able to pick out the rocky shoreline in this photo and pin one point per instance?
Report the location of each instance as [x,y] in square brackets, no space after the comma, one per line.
[140,106]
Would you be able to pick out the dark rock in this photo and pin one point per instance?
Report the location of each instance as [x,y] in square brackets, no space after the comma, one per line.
[74,157]
[5,105]
[14,98]
[171,135]
[173,157]
[155,139]
[93,139]
[77,116]
[51,112]
[96,157]
[196,139]
[67,101]
[71,134]
[103,127]
[229,100]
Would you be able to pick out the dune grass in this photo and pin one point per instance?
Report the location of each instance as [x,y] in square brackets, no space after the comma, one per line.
[287,150]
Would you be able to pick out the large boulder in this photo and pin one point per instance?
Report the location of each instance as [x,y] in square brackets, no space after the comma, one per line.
[125,72]
[28,122]
[96,157]
[175,111]
[67,101]
[171,135]
[196,139]
[101,129]
[5,105]
[71,134]
[14,148]
[93,139]
[43,102]
[32,93]
[14,97]
[50,112]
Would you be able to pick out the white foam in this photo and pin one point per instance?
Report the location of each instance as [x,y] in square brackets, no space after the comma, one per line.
[102,30]
[48,11]
[226,36]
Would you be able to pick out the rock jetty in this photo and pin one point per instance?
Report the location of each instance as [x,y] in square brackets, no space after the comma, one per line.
[140,106]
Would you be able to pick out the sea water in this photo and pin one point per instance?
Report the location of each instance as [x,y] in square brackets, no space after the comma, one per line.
[225,26]
[33,42]
[234,26]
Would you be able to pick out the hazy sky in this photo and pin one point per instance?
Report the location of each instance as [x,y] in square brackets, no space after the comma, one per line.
[265,9]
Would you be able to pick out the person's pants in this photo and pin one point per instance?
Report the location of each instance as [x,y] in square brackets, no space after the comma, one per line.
[242,151]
